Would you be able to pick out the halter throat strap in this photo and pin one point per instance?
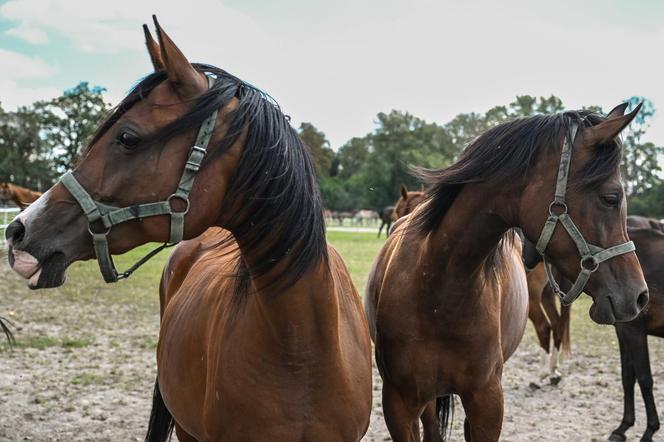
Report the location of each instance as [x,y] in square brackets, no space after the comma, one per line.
[102,217]
[591,256]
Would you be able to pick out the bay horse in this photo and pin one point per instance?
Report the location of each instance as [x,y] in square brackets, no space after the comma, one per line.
[262,333]
[648,235]
[552,327]
[407,202]
[21,196]
[447,298]
[385,220]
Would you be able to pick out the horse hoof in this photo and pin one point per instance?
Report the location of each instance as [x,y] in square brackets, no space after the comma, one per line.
[555,380]
[616,437]
[646,438]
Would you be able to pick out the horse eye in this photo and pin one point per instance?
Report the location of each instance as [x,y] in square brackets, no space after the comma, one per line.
[610,199]
[128,140]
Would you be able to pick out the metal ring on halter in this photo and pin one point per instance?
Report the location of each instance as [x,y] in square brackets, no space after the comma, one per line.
[589,258]
[185,199]
[108,230]
[560,204]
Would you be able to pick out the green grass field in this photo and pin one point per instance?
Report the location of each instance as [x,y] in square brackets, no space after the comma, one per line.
[84,281]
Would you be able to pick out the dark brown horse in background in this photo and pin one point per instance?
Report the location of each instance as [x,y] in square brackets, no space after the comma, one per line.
[648,236]
[447,296]
[262,334]
[407,202]
[543,313]
[385,220]
[21,196]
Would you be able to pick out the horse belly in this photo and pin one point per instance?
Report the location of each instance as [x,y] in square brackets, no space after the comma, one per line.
[514,306]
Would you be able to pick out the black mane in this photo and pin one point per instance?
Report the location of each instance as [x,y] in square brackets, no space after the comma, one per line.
[505,154]
[281,215]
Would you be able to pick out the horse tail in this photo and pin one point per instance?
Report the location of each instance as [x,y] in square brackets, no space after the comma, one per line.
[445,413]
[4,328]
[161,422]
[566,318]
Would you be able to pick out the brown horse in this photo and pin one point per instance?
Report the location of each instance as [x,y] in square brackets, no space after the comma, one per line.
[648,235]
[447,296]
[385,220]
[262,332]
[543,313]
[20,195]
[407,202]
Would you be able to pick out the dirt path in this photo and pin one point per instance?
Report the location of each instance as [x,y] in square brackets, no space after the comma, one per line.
[85,367]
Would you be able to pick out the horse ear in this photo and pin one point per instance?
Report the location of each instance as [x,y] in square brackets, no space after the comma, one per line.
[610,128]
[618,111]
[404,191]
[186,81]
[153,50]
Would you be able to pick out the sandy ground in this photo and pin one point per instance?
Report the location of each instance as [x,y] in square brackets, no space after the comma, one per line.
[85,367]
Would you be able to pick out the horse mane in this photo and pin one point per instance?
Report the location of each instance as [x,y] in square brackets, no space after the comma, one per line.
[282,212]
[505,153]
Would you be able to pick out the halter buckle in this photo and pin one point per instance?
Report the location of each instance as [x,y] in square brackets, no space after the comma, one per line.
[108,230]
[560,204]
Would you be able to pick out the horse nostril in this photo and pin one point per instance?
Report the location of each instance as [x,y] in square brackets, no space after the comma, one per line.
[642,300]
[15,232]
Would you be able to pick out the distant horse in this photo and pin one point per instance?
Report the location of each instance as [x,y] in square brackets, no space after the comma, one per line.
[363,216]
[648,235]
[543,313]
[262,332]
[22,196]
[407,202]
[385,220]
[447,297]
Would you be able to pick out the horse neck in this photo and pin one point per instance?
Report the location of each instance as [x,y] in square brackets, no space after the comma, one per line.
[303,317]
[470,230]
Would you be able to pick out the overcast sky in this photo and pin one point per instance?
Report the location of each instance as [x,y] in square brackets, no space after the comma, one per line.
[338,63]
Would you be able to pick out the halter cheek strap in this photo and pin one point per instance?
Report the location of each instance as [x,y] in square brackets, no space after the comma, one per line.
[591,256]
[107,216]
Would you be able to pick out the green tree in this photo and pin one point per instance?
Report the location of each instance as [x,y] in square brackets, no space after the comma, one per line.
[352,155]
[640,168]
[69,120]
[319,147]
[24,157]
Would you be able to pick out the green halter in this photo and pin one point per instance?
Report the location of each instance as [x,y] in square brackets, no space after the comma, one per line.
[591,255]
[110,216]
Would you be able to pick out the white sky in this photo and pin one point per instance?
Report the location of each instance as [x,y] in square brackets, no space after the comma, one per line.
[338,63]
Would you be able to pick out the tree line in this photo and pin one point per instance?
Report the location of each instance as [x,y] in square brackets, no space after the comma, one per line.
[41,141]
[367,171]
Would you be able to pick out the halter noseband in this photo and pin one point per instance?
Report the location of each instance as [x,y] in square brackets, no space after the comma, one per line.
[110,216]
[591,255]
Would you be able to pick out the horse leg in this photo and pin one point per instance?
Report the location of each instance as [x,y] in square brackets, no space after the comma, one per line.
[484,411]
[430,426]
[387,230]
[540,322]
[641,361]
[557,327]
[401,418]
[625,339]
[380,229]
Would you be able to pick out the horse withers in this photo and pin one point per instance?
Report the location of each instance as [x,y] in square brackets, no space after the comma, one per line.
[447,297]
[262,332]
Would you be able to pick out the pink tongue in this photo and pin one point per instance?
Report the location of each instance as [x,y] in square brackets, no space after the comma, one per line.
[24,263]
[34,279]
